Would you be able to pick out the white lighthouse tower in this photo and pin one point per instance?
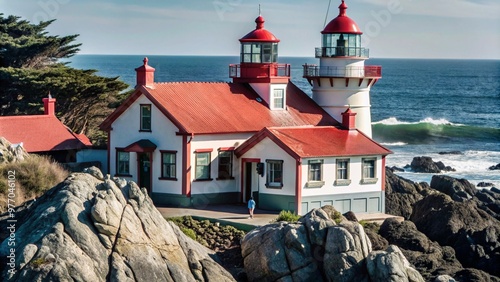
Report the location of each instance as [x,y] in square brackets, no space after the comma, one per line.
[342,81]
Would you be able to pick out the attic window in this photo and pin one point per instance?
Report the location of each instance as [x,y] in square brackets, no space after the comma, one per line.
[145,117]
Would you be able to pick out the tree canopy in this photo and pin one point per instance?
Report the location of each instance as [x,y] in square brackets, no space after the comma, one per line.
[31,68]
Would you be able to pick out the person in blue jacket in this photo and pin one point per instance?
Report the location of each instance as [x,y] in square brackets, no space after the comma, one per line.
[251,206]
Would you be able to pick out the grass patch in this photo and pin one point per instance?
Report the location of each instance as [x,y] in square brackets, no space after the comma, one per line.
[287,216]
[33,176]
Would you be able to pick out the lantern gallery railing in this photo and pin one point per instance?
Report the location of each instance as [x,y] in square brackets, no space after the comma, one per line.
[322,52]
[361,72]
[259,70]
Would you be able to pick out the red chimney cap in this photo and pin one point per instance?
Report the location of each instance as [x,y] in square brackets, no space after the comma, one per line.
[342,23]
[259,34]
[145,67]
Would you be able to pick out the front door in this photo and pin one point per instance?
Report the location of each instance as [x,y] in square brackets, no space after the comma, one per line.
[248,181]
[144,168]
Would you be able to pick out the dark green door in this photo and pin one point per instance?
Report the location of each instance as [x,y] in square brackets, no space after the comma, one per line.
[145,171]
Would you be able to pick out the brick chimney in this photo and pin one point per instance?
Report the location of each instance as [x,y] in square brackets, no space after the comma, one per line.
[349,119]
[145,75]
[49,105]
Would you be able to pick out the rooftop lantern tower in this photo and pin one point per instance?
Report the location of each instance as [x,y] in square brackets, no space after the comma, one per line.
[342,81]
[259,66]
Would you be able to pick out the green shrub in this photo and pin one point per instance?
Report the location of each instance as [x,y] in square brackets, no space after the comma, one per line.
[287,216]
[189,232]
[36,263]
[337,217]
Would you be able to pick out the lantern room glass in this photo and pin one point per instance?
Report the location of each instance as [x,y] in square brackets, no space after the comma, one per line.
[258,52]
[341,44]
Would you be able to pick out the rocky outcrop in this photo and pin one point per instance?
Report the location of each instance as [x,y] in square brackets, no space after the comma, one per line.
[317,249]
[473,233]
[11,153]
[87,229]
[427,165]
[457,219]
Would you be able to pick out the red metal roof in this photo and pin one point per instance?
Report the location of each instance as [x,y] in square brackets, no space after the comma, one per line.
[41,133]
[317,141]
[342,23]
[259,34]
[213,108]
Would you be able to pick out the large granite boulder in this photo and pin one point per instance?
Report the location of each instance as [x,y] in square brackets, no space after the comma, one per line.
[87,229]
[317,248]
[11,153]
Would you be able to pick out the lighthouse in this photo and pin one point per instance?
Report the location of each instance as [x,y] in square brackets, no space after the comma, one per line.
[259,66]
[342,81]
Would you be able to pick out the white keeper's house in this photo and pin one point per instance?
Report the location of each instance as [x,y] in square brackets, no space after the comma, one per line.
[199,143]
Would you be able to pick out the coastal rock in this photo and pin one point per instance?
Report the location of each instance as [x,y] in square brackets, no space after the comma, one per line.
[317,249]
[427,165]
[428,257]
[457,189]
[485,184]
[472,232]
[88,229]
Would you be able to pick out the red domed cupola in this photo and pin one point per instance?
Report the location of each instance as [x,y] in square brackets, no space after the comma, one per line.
[342,23]
[259,34]
[342,37]
[259,57]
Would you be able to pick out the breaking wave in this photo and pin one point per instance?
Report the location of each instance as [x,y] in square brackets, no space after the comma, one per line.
[428,131]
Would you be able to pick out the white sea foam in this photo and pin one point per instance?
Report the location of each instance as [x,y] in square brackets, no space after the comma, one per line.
[394,144]
[395,121]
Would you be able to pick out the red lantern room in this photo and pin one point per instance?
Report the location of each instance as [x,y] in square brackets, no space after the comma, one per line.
[259,57]
[342,37]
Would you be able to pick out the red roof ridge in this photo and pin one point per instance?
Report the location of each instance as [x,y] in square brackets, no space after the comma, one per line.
[198,82]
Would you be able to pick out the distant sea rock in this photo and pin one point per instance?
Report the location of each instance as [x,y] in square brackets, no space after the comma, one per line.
[451,153]
[427,165]
[87,229]
[495,167]
[317,248]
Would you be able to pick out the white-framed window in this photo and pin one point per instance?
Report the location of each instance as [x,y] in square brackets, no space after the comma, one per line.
[274,176]
[369,171]
[122,162]
[202,170]
[279,98]
[145,117]
[342,172]
[168,165]
[315,175]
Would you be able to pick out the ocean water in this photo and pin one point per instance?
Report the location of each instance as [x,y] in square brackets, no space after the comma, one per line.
[420,107]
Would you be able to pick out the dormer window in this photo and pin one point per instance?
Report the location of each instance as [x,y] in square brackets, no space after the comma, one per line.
[279,98]
[145,118]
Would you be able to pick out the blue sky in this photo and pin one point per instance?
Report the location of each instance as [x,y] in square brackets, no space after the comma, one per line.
[392,28]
